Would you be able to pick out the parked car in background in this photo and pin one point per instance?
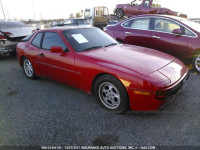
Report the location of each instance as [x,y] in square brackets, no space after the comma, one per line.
[11,33]
[74,22]
[139,7]
[173,35]
[120,76]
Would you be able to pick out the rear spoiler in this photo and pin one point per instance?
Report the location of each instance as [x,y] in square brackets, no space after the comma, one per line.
[12,39]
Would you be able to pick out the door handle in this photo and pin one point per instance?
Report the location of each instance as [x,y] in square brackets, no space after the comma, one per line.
[157,37]
[128,33]
[41,55]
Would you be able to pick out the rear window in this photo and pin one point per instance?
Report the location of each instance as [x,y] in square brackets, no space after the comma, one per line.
[10,24]
[27,38]
[140,23]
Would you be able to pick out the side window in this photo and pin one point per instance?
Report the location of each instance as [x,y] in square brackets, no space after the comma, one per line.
[189,33]
[136,2]
[37,40]
[141,23]
[146,3]
[52,39]
[165,25]
[127,24]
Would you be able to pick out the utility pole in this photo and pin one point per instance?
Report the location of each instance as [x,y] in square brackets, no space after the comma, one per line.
[3,10]
[34,10]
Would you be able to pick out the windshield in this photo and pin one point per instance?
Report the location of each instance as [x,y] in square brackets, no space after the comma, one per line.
[193,25]
[88,39]
[83,22]
[101,11]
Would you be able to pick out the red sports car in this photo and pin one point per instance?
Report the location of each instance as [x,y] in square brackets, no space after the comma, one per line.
[176,36]
[120,76]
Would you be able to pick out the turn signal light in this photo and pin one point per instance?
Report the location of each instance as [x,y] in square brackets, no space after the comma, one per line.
[142,93]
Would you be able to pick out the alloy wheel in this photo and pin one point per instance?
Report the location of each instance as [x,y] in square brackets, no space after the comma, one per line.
[28,68]
[197,63]
[109,95]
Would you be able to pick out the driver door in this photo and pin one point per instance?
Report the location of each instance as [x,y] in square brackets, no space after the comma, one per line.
[135,7]
[54,65]
[164,40]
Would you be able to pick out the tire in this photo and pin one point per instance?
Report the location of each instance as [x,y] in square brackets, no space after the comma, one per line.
[120,14]
[28,68]
[196,62]
[111,94]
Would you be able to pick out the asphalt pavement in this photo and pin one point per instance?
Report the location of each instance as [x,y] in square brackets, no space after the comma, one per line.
[47,113]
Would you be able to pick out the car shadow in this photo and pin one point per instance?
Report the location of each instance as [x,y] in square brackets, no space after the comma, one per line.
[7,58]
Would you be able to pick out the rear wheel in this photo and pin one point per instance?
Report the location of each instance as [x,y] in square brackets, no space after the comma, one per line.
[28,68]
[111,94]
[119,13]
[196,62]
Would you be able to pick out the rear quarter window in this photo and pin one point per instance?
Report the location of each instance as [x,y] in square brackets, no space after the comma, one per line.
[27,38]
[37,40]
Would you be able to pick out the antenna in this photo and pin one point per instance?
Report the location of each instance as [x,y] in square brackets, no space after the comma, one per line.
[3,10]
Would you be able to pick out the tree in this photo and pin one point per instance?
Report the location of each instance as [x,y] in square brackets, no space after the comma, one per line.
[78,15]
[71,16]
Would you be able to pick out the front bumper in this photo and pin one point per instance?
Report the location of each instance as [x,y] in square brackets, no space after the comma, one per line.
[150,102]
[175,91]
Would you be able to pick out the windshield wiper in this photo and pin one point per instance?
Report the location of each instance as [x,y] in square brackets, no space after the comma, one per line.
[94,47]
[111,44]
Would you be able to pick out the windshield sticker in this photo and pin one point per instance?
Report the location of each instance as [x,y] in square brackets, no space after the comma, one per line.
[80,38]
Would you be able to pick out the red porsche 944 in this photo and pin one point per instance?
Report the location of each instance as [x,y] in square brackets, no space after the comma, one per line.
[120,76]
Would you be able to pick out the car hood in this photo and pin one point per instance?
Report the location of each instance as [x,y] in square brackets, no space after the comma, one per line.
[122,5]
[138,59]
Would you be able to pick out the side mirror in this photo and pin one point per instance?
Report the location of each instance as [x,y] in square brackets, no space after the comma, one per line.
[177,31]
[55,49]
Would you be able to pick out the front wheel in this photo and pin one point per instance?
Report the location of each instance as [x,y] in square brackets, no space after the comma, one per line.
[28,69]
[119,13]
[196,62]
[111,94]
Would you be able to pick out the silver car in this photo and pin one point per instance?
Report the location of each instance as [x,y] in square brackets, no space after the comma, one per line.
[10,34]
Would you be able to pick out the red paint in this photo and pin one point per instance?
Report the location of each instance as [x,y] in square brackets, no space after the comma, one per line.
[179,45]
[133,10]
[137,68]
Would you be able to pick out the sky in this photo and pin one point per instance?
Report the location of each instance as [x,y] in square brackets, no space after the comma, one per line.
[55,9]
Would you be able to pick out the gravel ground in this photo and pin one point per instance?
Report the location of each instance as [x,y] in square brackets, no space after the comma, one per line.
[44,112]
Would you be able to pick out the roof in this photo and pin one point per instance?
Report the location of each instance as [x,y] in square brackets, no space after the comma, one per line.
[157,15]
[66,28]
